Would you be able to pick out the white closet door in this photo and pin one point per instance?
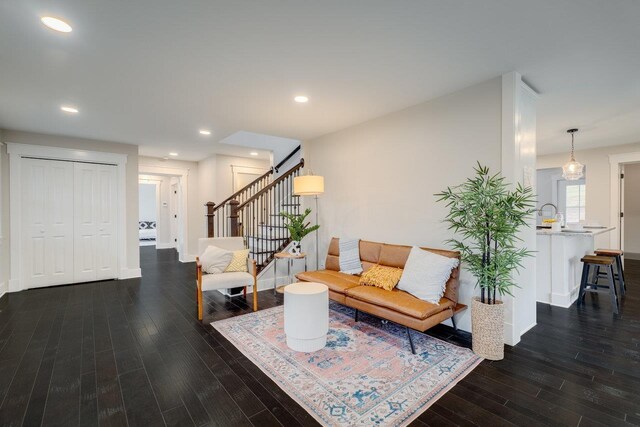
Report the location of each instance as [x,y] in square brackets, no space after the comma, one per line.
[47,206]
[106,242]
[85,208]
[95,217]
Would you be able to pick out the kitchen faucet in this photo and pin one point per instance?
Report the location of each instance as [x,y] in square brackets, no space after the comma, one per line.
[548,204]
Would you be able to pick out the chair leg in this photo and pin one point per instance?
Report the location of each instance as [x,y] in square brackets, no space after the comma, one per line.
[612,289]
[583,283]
[413,349]
[355,318]
[453,321]
[623,286]
[199,299]
[597,276]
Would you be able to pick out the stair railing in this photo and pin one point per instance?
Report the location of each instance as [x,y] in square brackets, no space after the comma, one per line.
[258,218]
[218,224]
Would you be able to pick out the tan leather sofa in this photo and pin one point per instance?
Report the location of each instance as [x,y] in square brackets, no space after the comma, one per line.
[396,305]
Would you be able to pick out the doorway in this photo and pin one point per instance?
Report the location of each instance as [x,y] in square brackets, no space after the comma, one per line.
[630,210]
[148,215]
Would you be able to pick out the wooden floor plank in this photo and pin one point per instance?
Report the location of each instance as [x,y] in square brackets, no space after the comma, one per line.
[132,352]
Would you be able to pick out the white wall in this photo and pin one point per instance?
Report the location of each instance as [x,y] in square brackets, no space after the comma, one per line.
[597,181]
[4,218]
[19,137]
[207,177]
[632,211]
[147,202]
[224,172]
[381,176]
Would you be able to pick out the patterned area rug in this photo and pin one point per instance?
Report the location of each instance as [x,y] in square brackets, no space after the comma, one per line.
[366,374]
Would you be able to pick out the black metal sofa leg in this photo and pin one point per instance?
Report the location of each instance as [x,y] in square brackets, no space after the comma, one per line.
[356,315]
[413,349]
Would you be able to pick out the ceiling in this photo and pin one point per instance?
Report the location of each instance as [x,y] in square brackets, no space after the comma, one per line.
[154,72]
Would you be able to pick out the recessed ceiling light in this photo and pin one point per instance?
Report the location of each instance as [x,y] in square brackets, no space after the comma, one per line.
[253,153]
[173,154]
[68,109]
[301,99]
[56,24]
[205,132]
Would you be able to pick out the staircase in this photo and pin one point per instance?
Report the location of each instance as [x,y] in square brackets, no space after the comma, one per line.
[253,212]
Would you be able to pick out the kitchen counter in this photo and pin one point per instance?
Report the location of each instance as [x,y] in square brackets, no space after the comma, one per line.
[558,263]
[586,233]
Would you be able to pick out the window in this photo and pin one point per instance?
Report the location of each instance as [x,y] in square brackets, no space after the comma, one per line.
[575,202]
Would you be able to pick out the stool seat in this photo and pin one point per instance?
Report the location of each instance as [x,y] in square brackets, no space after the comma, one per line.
[599,260]
[609,252]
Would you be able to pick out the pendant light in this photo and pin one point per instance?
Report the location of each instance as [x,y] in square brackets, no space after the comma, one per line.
[572,171]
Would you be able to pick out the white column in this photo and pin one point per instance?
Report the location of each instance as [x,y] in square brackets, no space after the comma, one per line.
[519,165]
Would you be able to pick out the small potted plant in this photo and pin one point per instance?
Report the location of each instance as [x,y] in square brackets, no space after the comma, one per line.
[298,229]
[487,215]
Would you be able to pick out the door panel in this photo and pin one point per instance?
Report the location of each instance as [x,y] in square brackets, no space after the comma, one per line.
[106,243]
[96,209]
[47,215]
[85,211]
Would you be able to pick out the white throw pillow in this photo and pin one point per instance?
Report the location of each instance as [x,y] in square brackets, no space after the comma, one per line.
[350,256]
[426,274]
[215,260]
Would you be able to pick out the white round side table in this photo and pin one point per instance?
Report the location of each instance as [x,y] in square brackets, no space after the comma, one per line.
[306,316]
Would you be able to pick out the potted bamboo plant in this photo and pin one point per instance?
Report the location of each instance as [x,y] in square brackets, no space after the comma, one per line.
[298,229]
[486,216]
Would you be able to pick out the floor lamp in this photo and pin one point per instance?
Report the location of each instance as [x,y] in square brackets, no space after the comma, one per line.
[310,185]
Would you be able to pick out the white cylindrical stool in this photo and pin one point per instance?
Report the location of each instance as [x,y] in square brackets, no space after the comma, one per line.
[306,316]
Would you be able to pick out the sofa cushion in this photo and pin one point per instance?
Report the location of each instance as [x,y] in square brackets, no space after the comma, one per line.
[215,260]
[336,281]
[383,277]
[238,262]
[394,255]
[425,274]
[234,279]
[399,301]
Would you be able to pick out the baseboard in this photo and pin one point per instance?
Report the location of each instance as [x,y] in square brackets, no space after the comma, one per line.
[130,273]
[188,258]
[632,255]
[15,285]
[4,287]
[165,245]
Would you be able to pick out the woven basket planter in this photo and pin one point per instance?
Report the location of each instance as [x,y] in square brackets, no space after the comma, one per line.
[487,329]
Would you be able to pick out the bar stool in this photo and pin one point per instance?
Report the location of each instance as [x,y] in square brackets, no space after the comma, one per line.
[619,274]
[595,261]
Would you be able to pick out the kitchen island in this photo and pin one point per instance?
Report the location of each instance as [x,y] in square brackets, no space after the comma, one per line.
[558,263]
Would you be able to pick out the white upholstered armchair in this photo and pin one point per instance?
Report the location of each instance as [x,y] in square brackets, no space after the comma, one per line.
[236,279]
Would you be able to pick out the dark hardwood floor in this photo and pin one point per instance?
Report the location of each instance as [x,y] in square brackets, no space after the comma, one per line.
[132,353]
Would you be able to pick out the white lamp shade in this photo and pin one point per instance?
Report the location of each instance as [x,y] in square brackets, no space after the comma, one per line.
[308,185]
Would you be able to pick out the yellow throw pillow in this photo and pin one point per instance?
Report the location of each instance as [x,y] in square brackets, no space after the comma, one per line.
[383,277]
[239,261]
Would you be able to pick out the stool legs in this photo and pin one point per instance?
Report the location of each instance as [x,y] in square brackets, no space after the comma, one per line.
[623,285]
[586,286]
[612,289]
[583,283]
